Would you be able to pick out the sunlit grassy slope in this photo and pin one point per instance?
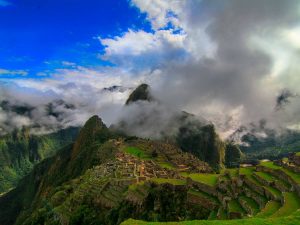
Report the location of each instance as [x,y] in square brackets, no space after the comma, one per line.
[273,213]
[294,219]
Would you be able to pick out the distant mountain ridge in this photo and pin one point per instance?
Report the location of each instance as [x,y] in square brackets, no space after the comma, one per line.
[261,142]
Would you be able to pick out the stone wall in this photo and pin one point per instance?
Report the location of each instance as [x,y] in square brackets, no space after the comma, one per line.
[295,159]
[201,200]
[255,197]
[245,206]
[281,175]
[202,187]
[295,169]
[253,186]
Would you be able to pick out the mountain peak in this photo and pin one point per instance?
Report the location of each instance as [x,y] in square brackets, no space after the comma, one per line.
[94,122]
[141,93]
[93,129]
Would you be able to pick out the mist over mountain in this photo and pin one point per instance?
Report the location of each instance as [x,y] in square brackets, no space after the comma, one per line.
[197,59]
[259,141]
[145,116]
[143,111]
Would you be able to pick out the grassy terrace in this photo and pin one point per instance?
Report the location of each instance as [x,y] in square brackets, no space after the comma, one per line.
[274,213]
[203,194]
[265,176]
[137,152]
[233,172]
[291,204]
[166,165]
[209,179]
[268,177]
[250,202]
[273,190]
[270,208]
[170,181]
[247,171]
[234,206]
[291,220]
[271,165]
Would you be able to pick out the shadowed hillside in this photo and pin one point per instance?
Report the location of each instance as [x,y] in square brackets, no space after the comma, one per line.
[20,151]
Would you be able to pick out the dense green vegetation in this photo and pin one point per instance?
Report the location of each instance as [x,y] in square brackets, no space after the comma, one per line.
[20,151]
[202,141]
[233,155]
[273,146]
[98,180]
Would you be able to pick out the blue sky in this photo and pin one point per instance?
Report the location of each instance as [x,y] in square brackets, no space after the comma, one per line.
[200,56]
[37,35]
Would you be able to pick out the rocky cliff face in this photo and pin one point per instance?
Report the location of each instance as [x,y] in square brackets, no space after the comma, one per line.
[141,93]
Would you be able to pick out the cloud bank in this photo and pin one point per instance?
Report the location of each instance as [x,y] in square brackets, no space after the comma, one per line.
[225,60]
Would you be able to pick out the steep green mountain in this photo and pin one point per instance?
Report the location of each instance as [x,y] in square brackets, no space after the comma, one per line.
[201,140]
[93,181]
[233,155]
[20,151]
[108,178]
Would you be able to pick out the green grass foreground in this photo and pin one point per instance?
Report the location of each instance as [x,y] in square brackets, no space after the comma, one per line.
[294,219]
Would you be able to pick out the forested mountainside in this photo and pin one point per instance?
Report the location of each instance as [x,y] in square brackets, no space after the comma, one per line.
[108,178]
[259,142]
[90,178]
[21,150]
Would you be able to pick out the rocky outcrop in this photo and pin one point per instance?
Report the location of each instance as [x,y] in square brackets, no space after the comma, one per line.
[141,93]
[295,158]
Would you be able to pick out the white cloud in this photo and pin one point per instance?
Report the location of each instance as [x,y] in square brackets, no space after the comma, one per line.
[205,57]
[13,72]
[80,86]
[293,37]
[160,12]
[139,49]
